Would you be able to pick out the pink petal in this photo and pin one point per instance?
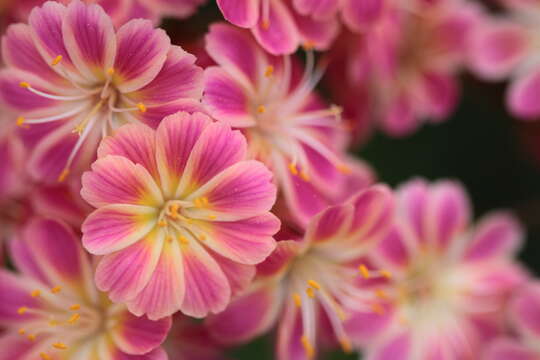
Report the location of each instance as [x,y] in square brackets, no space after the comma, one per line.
[176,137]
[365,328]
[178,78]
[279,34]
[318,9]
[239,275]
[139,335]
[497,49]
[525,311]
[14,293]
[60,202]
[248,316]
[156,354]
[319,33]
[12,157]
[156,113]
[498,235]
[207,288]
[397,347]
[217,148]
[285,252]
[226,99]
[174,8]
[115,227]
[331,223]
[508,349]
[394,247]
[164,293]
[116,180]
[448,213]
[246,241]
[243,13]
[126,272]
[21,99]
[441,93]
[15,346]
[359,15]
[412,199]
[134,142]
[522,98]
[289,333]
[89,39]
[235,51]
[240,191]
[142,51]
[399,119]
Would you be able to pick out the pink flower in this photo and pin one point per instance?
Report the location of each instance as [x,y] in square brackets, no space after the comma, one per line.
[506,47]
[308,286]
[182,217]
[404,69]
[287,126]
[73,79]
[53,310]
[449,281]
[280,26]
[524,314]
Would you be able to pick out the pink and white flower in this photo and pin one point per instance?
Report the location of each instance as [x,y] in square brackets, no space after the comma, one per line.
[308,286]
[287,126]
[404,68]
[507,47]
[524,315]
[52,309]
[182,217]
[450,281]
[73,79]
[280,26]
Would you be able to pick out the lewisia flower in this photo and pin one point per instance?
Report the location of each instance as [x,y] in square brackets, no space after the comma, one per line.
[52,310]
[524,311]
[407,64]
[449,281]
[182,217]
[71,77]
[286,125]
[507,47]
[308,286]
[280,26]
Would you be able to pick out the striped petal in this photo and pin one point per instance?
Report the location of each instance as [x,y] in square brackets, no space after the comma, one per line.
[243,13]
[278,34]
[15,293]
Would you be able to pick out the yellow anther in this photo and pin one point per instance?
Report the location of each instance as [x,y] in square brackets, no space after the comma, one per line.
[344,169]
[63,175]
[310,292]
[53,323]
[336,110]
[31,337]
[169,239]
[56,60]
[308,348]
[297,300]
[304,175]
[204,200]
[269,71]
[201,201]
[59,346]
[24,84]
[44,356]
[110,71]
[56,289]
[212,217]
[345,345]
[21,331]
[377,308]
[73,319]
[173,211]
[308,45]
[293,169]
[20,121]
[386,274]
[314,284]
[265,24]
[162,223]
[380,294]
[202,237]
[75,307]
[141,107]
[183,240]
[35,293]
[261,109]
[363,271]
[22,310]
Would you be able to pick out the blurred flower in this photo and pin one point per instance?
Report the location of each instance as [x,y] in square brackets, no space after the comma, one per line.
[449,282]
[524,314]
[280,26]
[404,68]
[287,126]
[507,47]
[182,217]
[75,79]
[308,285]
[53,310]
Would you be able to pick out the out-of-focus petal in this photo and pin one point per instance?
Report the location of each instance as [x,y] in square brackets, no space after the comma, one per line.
[139,335]
[243,13]
[523,99]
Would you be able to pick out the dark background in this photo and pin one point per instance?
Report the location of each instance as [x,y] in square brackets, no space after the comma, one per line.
[496,157]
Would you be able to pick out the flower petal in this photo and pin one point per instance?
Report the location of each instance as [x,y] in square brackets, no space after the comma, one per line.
[319,33]
[115,227]
[156,354]
[178,78]
[525,311]
[207,288]
[15,346]
[281,257]
[441,94]
[14,293]
[89,39]
[330,224]
[278,34]
[165,291]
[126,272]
[508,349]
[240,191]
[142,51]
[116,180]
[359,15]
[318,9]
[239,275]
[250,315]
[176,136]
[21,99]
[139,335]
[412,199]
[394,347]
[522,99]
[243,13]
[497,236]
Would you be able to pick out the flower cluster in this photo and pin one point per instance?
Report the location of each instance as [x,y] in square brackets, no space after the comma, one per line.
[143,186]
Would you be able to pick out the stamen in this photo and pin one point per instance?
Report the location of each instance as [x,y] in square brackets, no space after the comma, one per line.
[344,169]
[261,109]
[212,217]
[183,240]
[56,289]
[73,319]
[59,346]
[310,292]
[44,356]
[63,175]
[308,348]
[35,293]
[293,169]
[381,294]
[202,237]
[265,23]
[27,85]
[21,331]
[56,60]
[201,202]
[308,45]
[304,176]
[345,345]
[377,308]
[22,310]
[110,71]
[297,300]
[53,323]
[169,239]
[314,284]
[162,223]
[31,337]
[141,107]
[75,307]
[269,71]
[364,271]
[20,121]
